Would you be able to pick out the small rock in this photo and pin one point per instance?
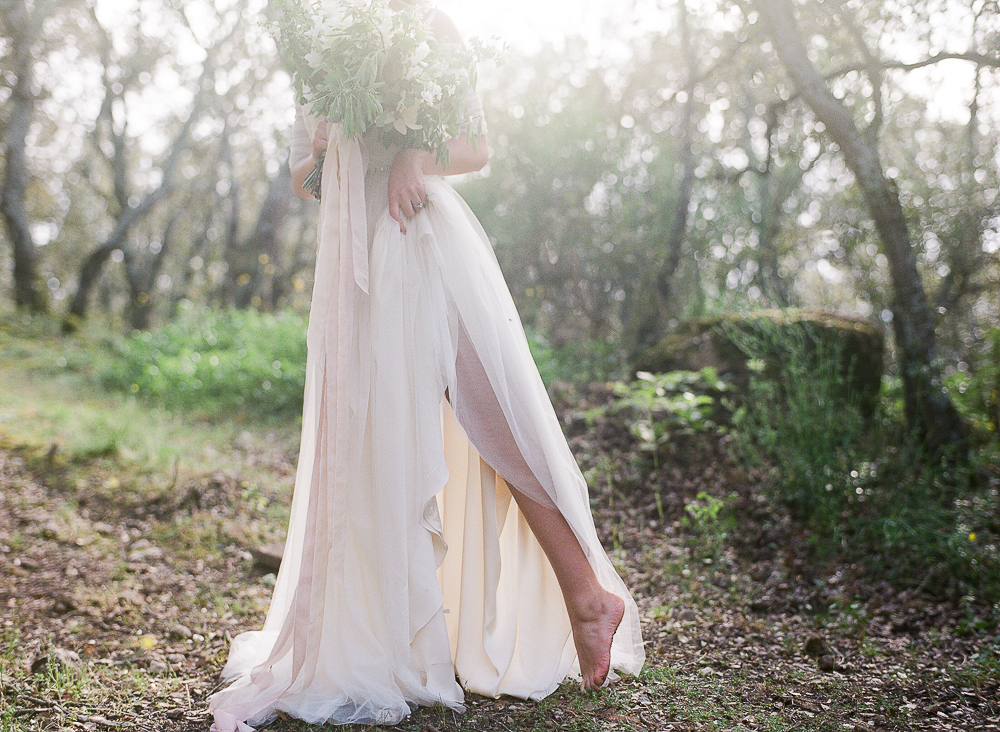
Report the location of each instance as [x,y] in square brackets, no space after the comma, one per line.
[245,441]
[826,663]
[775,578]
[817,602]
[147,554]
[128,596]
[105,529]
[687,616]
[72,571]
[33,517]
[197,637]
[156,666]
[760,606]
[25,563]
[175,658]
[174,714]
[181,632]
[268,556]
[814,646]
[142,544]
[50,530]
[54,658]
[63,603]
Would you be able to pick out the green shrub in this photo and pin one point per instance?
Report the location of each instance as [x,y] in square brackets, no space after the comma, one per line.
[976,392]
[859,486]
[666,406]
[212,360]
[574,363]
[801,417]
[708,523]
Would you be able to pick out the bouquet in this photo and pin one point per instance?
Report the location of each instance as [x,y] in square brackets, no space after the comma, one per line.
[361,65]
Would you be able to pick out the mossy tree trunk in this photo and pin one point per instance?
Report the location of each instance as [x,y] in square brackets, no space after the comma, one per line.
[22,26]
[929,410]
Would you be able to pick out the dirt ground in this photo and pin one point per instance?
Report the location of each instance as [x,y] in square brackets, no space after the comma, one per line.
[120,591]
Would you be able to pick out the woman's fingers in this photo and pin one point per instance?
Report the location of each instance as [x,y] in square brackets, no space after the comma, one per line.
[321,140]
[397,216]
[403,208]
[397,210]
[407,193]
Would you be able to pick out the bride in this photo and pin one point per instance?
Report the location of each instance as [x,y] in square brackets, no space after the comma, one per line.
[440,535]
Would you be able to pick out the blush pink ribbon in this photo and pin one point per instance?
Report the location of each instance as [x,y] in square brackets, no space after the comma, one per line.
[353,211]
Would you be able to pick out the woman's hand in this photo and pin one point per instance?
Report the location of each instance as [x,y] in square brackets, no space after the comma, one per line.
[303,167]
[407,194]
[321,139]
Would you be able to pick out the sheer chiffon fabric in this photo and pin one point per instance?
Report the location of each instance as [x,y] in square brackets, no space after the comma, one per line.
[407,562]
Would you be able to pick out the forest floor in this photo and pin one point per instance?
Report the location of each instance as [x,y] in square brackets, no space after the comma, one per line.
[126,568]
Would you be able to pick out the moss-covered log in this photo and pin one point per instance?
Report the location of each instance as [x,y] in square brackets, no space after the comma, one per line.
[724,343]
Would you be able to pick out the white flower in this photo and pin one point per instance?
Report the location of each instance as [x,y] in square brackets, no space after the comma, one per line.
[384,20]
[421,84]
[420,52]
[431,93]
[332,17]
[408,120]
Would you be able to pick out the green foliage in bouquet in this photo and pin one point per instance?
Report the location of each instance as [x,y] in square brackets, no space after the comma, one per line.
[363,66]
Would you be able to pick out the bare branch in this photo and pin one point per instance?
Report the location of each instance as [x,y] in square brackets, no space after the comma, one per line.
[981,60]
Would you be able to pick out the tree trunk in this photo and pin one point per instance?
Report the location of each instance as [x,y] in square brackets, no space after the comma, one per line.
[262,247]
[929,411]
[117,159]
[93,265]
[29,289]
[678,227]
[143,273]
[651,328]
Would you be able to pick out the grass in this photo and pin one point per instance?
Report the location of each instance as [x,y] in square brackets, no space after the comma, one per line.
[205,487]
[52,395]
[112,447]
[67,696]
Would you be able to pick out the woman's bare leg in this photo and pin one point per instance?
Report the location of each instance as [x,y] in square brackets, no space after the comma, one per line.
[594,612]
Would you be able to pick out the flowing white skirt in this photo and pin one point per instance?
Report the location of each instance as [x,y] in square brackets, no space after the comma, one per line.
[407,562]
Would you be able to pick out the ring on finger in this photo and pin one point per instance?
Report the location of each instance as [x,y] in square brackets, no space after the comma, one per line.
[418,205]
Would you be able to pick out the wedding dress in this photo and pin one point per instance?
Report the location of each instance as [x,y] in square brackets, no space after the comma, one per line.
[407,562]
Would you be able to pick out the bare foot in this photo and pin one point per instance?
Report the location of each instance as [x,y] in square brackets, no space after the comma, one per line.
[592,634]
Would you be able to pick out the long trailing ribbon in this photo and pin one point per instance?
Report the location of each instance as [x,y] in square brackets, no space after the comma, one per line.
[341,265]
[353,211]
